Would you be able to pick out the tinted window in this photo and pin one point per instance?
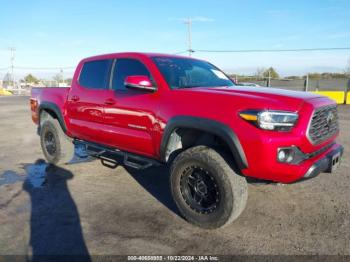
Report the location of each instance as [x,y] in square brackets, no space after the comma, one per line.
[95,74]
[127,67]
[187,73]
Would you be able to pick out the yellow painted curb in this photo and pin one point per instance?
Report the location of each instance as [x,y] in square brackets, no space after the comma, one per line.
[337,96]
[348,99]
[4,92]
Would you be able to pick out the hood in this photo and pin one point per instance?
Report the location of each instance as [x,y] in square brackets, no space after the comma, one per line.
[268,91]
[267,97]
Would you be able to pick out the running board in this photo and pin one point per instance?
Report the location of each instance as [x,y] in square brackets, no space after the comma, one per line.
[111,157]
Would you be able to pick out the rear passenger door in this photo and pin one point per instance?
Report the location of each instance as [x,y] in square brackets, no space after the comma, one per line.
[86,100]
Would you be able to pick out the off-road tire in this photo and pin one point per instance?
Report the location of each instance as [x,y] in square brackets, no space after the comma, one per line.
[64,148]
[232,188]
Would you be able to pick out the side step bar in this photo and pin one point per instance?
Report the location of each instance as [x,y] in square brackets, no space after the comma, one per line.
[111,157]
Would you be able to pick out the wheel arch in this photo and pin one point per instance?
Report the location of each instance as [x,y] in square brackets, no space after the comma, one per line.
[54,111]
[209,126]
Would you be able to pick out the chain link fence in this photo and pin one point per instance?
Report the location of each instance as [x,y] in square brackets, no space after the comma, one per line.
[337,84]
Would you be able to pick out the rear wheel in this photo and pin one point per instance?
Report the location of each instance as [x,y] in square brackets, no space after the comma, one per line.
[206,190]
[56,145]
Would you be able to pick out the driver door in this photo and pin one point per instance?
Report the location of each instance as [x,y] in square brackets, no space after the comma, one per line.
[131,114]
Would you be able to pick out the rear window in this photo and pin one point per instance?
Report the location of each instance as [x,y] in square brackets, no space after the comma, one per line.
[95,74]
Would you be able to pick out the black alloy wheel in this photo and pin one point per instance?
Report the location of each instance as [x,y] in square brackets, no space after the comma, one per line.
[206,190]
[50,143]
[199,189]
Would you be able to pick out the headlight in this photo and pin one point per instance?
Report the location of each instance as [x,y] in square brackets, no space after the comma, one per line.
[270,120]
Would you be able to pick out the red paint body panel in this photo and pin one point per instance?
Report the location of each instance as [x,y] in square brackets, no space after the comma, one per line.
[53,95]
[135,121]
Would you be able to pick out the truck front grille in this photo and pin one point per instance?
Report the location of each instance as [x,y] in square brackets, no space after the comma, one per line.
[324,124]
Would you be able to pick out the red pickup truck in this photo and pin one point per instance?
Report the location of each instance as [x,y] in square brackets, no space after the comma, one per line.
[140,110]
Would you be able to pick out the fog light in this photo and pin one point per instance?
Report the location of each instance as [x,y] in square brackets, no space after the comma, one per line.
[290,155]
[281,156]
[285,155]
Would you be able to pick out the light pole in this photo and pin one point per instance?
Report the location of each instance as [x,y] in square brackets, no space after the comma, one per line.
[61,73]
[12,50]
[189,24]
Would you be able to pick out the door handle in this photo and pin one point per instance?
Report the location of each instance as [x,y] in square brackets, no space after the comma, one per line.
[75,98]
[110,101]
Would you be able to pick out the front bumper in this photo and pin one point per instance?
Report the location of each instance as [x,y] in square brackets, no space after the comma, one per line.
[267,167]
[325,164]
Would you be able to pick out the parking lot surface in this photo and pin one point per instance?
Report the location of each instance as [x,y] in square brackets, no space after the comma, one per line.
[86,208]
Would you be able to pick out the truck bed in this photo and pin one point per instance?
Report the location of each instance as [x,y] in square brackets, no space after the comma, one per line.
[56,95]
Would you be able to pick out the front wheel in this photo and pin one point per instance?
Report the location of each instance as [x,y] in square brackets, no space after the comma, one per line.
[206,190]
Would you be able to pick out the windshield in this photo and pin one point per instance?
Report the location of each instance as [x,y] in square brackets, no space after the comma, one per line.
[187,73]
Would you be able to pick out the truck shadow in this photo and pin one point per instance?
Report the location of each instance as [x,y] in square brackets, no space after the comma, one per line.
[156,181]
[55,227]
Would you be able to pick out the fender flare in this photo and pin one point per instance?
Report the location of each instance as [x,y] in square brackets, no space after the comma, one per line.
[54,108]
[208,125]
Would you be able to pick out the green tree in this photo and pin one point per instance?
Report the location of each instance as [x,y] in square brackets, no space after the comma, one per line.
[31,79]
[271,72]
[327,75]
[294,77]
[68,81]
[315,76]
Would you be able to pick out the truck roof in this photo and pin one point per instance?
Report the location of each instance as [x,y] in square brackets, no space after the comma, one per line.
[137,54]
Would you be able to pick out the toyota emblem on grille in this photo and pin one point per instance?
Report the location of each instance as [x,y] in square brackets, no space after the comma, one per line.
[329,119]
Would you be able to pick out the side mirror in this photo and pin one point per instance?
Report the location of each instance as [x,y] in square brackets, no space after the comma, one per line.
[139,82]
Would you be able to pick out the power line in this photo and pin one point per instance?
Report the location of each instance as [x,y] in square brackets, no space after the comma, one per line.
[266,50]
[12,67]
[181,52]
[272,50]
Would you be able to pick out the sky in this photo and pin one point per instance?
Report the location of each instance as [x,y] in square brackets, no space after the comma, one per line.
[53,34]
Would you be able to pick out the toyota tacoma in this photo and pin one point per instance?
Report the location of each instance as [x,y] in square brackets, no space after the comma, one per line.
[141,110]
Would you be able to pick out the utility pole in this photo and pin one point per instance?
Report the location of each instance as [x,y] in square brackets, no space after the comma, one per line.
[306,84]
[61,73]
[12,50]
[269,79]
[189,24]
